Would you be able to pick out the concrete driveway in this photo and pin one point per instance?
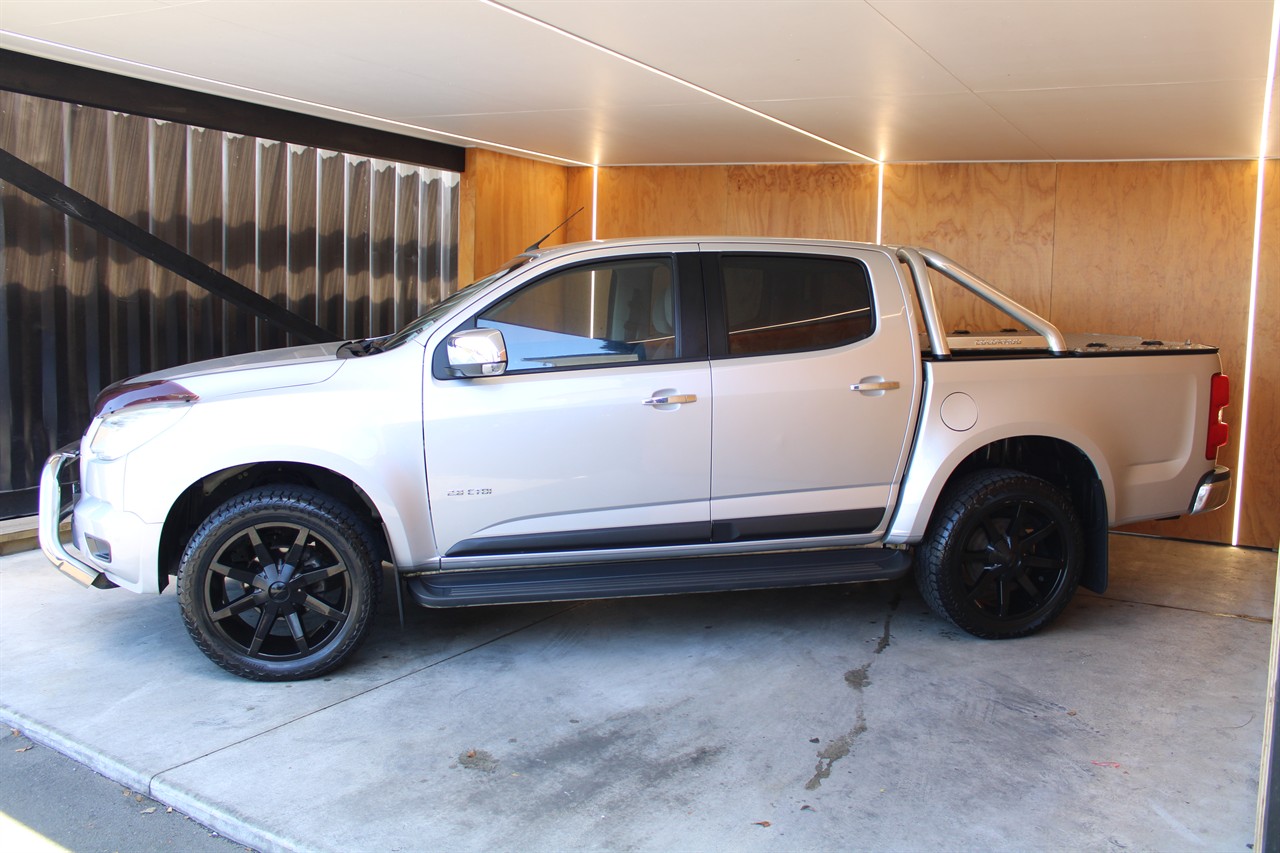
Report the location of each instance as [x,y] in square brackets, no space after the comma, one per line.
[817,719]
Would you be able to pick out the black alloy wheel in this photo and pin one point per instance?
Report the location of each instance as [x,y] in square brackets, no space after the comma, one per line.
[279,584]
[1002,556]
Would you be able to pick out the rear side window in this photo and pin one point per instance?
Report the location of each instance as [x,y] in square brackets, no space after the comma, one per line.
[614,312]
[776,304]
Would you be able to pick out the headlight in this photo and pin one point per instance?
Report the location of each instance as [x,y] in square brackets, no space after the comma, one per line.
[126,430]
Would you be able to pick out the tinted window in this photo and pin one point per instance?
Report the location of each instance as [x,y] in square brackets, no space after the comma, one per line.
[618,312]
[787,303]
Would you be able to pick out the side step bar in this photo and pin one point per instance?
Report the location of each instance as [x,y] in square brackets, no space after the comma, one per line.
[657,577]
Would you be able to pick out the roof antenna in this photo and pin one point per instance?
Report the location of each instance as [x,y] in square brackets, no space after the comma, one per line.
[538,245]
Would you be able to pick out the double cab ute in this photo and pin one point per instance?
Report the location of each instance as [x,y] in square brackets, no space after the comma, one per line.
[639,417]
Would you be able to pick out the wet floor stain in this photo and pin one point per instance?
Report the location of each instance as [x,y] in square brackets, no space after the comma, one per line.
[834,751]
[858,679]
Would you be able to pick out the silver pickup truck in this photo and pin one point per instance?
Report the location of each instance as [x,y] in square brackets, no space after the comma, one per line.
[639,417]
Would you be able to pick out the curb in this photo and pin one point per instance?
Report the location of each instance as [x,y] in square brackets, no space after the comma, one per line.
[18,535]
[229,826]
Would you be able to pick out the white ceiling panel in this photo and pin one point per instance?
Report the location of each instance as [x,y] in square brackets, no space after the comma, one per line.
[1137,122]
[684,134]
[1049,44]
[758,51]
[913,128]
[414,58]
[899,80]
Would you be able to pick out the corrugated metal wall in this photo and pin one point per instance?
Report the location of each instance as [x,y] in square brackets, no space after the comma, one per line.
[359,246]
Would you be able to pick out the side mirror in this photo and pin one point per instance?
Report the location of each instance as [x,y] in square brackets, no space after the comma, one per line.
[477,352]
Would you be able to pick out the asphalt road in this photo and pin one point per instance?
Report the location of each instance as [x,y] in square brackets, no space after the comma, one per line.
[49,802]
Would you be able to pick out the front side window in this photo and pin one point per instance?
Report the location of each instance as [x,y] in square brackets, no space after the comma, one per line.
[612,312]
[787,303]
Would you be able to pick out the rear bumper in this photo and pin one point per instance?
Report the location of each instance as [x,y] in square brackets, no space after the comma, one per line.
[53,511]
[1213,491]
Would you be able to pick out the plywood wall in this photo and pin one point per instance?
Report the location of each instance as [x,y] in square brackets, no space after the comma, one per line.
[1260,516]
[824,201]
[995,219]
[1157,249]
[662,200]
[1163,250]
[507,203]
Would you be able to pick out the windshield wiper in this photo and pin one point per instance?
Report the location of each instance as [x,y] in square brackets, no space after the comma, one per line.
[357,348]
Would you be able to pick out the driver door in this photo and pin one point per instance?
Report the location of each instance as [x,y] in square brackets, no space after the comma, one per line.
[598,434]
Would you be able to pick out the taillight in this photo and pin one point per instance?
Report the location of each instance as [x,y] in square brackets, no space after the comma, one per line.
[1219,397]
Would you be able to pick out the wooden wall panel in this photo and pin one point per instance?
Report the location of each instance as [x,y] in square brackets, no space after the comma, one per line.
[1161,250]
[1260,515]
[836,202]
[996,219]
[578,194]
[513,201]
[654,201]
[822,201]
[467,218]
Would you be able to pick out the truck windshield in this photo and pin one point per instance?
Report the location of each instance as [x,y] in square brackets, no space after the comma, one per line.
[441,309]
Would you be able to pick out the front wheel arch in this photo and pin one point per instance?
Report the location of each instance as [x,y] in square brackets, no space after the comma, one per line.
[201,498]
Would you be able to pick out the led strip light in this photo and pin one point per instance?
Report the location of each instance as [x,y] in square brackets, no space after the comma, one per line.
[880,202]
[674,79]
[1247,391]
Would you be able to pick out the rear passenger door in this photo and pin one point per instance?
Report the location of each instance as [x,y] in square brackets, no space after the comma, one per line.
[814,377]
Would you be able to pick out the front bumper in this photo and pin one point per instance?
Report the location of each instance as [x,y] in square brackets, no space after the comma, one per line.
[1213,491]
[53,511]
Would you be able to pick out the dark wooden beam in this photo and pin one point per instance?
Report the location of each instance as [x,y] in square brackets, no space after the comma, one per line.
[60,81]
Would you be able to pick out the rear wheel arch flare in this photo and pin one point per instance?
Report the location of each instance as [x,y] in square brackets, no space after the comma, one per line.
[1003,554]
[1068,468]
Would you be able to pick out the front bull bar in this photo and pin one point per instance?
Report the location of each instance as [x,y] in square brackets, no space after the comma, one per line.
[52,513]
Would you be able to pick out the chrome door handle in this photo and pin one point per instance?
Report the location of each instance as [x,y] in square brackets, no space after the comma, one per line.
[671,400]
[875,386]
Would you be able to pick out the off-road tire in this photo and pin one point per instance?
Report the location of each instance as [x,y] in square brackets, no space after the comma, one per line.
[1002,555]
[279,584]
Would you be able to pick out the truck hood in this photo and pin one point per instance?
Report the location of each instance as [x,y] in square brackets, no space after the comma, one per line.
[258,371]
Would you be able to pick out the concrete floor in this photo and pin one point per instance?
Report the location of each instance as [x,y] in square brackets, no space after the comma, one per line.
[819,719]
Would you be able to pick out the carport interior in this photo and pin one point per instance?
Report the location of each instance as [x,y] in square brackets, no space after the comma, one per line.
[798,719]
